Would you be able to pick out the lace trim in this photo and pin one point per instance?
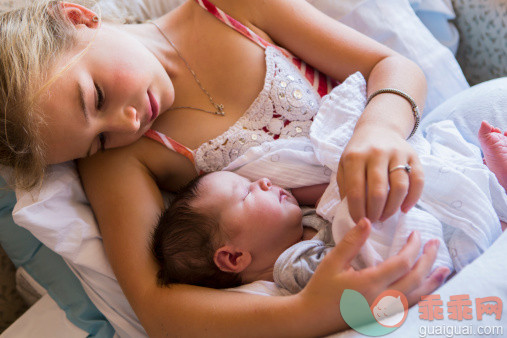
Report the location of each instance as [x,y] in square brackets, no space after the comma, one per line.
[284,108]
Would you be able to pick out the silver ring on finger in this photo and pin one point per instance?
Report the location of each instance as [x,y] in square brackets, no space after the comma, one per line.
[405,167]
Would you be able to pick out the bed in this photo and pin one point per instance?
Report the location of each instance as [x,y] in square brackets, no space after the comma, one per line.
[55,243]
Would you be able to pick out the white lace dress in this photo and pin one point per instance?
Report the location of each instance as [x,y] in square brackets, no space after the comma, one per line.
[283,109]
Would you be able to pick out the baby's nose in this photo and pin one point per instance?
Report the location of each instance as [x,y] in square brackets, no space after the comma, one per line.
[265,184]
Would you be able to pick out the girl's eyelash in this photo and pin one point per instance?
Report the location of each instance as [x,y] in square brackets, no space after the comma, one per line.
[100,97]
[102,139]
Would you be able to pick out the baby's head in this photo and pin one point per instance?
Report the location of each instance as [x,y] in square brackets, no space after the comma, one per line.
[223,230]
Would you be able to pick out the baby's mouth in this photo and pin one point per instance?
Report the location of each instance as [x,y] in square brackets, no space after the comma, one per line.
[283,195]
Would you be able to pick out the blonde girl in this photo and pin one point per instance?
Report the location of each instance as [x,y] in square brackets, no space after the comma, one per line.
[208,80]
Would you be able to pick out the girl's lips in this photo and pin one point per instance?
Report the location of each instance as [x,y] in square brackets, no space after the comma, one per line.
[154,106]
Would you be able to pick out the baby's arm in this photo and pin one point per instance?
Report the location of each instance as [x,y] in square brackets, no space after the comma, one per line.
[309,195]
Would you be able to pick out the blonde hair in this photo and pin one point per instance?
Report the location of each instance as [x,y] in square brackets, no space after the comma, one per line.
[32,38]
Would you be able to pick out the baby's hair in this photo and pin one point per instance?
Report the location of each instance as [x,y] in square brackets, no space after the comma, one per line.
[32,38]
[184,243]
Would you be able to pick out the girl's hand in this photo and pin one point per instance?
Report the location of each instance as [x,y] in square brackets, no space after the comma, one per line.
[363,173]
[401,272]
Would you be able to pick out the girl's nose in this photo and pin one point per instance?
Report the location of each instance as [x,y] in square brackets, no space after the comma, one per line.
[264,184]
[125,121]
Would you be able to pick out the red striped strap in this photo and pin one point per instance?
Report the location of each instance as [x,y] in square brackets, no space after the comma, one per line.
[171,144]
[238,26]
[320,81]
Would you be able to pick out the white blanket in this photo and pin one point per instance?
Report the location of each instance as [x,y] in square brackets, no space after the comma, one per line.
[461,205]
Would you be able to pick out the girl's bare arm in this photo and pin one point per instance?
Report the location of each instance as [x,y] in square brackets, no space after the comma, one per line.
[126,201]
[309,195]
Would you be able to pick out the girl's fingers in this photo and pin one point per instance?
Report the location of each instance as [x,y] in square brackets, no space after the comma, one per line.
[348,248]
[340,180]
[377,182]
[416,185]
[421,269]
[399,265]
[428,285]
[353,185]
[398,187]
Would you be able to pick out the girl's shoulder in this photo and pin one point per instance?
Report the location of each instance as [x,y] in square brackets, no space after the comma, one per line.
[243,11]
[146,157]
[236,8]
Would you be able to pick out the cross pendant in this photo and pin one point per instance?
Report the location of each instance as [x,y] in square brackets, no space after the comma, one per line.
[220,109]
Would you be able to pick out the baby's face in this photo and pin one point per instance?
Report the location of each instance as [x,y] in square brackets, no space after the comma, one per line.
[257,216]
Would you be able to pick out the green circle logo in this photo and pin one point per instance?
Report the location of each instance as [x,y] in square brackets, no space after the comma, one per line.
[387,313]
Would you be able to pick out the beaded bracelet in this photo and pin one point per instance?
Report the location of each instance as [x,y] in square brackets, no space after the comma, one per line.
[415,109]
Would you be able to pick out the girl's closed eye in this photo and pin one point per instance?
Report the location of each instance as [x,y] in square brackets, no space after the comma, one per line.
[102,140]
[99,97]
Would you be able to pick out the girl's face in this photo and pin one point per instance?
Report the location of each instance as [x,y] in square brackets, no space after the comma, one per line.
[108,98]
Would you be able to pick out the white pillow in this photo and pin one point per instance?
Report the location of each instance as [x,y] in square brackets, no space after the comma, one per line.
[135,10]
[395,24]
[60,217]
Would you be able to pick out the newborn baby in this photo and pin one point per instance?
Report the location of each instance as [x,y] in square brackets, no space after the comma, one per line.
[224,230]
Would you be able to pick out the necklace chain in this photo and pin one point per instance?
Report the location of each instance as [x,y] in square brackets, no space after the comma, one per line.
[219,107]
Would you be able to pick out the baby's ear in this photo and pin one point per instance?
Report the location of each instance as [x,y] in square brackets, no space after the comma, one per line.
[231,259]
